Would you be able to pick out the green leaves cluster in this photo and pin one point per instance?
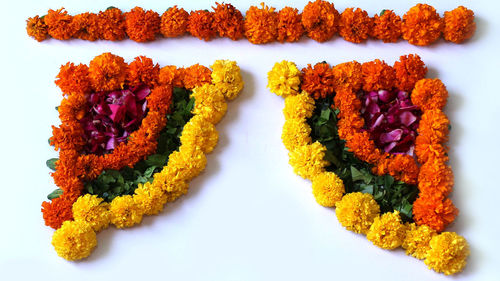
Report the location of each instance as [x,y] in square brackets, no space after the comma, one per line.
[113,183]
[357,176]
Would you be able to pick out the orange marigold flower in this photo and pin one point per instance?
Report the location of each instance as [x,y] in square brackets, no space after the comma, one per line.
[403,168]
[179,74]
[348,76]
[290,27]
[107,72]
[37,28]
[429,94]
[425,150]
[387,26]
[377,75]
[319,81]
[201,24]
[459,25]
[73,79]
[434,211]
[409,69]
[421,25]
[434,125]
[143,71]
[174,22]
[86,26]
[59,24]
[112,24]
[167,75]
[228,21]
[170,74]
[67,137]
[363,148]
[261,25]
[57,211]
[196,75]
[349,105]
[320,20]
[435,177]
[160,97]
[142,26]
[355,25]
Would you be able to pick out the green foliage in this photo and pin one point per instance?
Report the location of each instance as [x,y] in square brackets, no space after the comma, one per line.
[357,176]
[112,183]
[54,194]
[51,163]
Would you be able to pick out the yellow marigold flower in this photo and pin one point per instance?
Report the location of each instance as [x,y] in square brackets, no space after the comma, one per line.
[169,180]
[149,198]
[284,79]
[226,75]
[296,132]
[172,196]
[92,210]
[417,240]
[209,103]
[328,189]
[356,211]
[308,160]
[74,240]
[125,212]
[198,132]
[187,163]
[387,231]
[299,106]
[448,253]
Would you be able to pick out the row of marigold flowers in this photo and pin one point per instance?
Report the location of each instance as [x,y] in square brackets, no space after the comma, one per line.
[319,20]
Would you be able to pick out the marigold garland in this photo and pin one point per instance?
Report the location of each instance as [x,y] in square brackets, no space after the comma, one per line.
[319,20]
[78,217]
[359,212]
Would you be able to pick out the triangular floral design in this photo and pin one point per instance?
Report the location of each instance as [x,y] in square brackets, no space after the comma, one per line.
[372,139]
[131,138]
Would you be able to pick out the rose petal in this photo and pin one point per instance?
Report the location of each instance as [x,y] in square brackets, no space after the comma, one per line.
[391,136]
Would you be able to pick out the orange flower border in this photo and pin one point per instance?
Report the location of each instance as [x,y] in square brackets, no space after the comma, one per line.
[108,72]
[432,174]
[319,20]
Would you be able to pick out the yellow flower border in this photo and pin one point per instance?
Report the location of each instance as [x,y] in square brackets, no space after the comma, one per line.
[446,252]
[76,239]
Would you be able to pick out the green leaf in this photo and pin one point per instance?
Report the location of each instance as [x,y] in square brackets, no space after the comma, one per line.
[325,114]
[149,172]
[388,181]
[51,163]
[55,194]
[157,160]
[383,12]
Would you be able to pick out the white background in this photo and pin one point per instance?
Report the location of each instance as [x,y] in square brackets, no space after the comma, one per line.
[247,217]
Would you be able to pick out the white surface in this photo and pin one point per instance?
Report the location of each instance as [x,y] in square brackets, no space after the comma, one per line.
[247,217]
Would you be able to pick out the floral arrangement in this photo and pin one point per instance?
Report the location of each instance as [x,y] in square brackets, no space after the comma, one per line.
[319,20]
[372,139]
[131,138]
